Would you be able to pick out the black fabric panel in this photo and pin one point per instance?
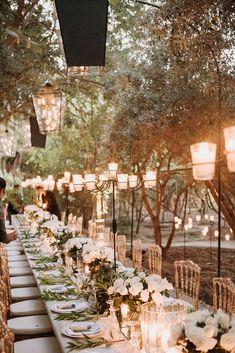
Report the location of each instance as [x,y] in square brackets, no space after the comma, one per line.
[37,139]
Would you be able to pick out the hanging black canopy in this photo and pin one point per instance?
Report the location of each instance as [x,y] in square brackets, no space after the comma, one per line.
[37,139]
[83,25]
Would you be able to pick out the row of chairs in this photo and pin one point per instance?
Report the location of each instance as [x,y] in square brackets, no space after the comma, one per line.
[187,285]
[23,314]
[154,254]
[187,276]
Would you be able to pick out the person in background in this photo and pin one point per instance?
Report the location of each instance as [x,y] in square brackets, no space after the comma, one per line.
[5,237]
[15,203]
[48,201]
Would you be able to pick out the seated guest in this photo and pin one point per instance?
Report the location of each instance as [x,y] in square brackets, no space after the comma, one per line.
[48,201]
[5,237]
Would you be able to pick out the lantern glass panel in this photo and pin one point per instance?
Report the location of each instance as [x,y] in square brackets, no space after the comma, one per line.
[203,160]
[229,137]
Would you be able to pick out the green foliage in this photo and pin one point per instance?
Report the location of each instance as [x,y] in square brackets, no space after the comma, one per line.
[87,342]
[89,314]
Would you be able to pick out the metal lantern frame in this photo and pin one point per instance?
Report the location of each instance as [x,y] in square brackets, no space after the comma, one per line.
[49,109]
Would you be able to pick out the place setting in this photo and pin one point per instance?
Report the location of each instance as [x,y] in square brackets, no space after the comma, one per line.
[69,307]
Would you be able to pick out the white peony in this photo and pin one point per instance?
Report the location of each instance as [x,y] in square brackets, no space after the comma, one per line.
[227,340]
[144,295]
[142,274]
[222,319]
[110,290]
[210,331]
[157,298]
[199,339]
[136,288]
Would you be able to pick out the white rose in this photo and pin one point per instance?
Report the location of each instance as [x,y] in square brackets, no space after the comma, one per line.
[130,274]
[110,290]
[211,321]
[122,290]
[232,322]
[157,298]
[204,344]
[223,319]
[227,341]
[210,331]
[136,288]
[144,295]
[142,274]
[197,337]
[134,280]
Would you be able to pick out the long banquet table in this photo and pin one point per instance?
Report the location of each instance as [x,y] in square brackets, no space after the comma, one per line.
[58,326]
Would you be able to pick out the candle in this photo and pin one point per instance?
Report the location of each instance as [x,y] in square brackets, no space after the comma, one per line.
[87,271]
[164,338]
[124,310]
[227,237]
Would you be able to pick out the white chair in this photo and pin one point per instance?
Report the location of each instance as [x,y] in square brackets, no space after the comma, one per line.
[30,325]
[13,252]
[18,294]
[27,308]
[12,258]
[22,281]
[18,264]
[21,271]
[38,345]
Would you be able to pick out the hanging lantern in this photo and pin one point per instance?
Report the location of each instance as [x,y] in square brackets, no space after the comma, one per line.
[203,160]
[84,71]
[122,181]
[133,181]
[112,166]
[49,108]
[229,136]
[90,181]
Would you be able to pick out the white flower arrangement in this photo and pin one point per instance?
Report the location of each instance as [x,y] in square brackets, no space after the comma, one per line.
[135,288]
[92,253]
[73,245]
[206,331]
[31,208]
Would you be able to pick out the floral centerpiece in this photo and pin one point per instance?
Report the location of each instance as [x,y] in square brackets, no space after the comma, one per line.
[205,332]
[74,246]
[102,272]
[32,213]
[135,288]
[97,257]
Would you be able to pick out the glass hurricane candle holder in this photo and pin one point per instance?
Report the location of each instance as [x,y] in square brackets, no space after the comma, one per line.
[156,322]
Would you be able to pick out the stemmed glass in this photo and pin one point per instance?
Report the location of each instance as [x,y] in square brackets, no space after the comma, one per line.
[134,336]
[115,332]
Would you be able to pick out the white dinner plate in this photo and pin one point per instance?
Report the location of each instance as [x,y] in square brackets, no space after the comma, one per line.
[48,265]
[90,329]
[57,289]
[66,307]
